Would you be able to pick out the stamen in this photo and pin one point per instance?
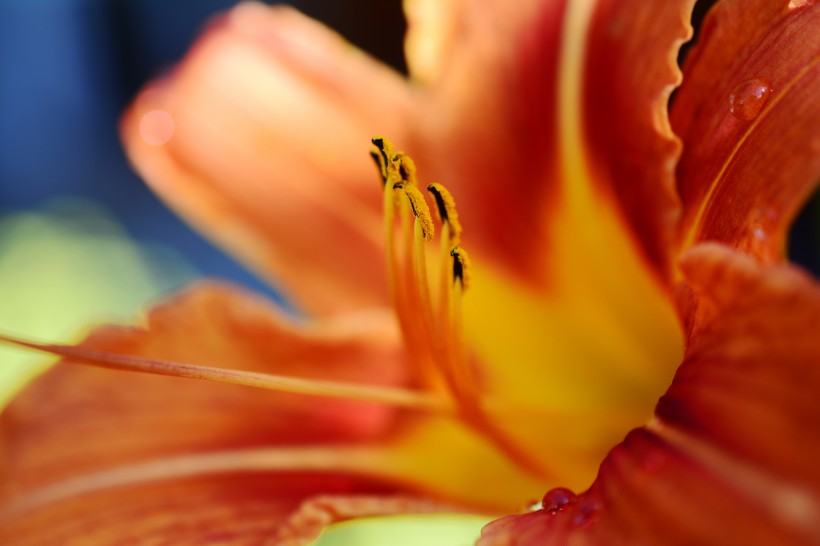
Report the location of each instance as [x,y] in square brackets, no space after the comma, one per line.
[445,273]
[420,209]
[389,205]
[446,207]
[434,339]
[407,168]
[457,357]
[402,278]
[461,267]
[417,315]
[422,288]
[385,150]
[365,393]
[378,158]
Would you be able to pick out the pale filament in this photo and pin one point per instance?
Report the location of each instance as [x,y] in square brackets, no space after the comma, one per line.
[333,389]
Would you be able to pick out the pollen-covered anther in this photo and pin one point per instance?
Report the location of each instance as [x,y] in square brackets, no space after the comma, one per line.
[461,267]
[420,209]
[382,153]
[380,163]
[406,168]
[447,213]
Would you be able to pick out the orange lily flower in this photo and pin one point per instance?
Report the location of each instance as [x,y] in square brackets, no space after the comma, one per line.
[610,241]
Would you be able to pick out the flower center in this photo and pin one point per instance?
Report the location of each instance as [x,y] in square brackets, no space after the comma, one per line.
[430,318]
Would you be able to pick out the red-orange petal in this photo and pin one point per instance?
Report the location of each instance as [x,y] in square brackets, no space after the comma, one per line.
[732,456]
[486,126]
[502,146]
[630,71]
[751,380]
[260,139]
[748,115]
[77,421]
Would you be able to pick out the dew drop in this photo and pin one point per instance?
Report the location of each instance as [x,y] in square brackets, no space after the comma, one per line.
[557,498]
[586,514]
[748,99]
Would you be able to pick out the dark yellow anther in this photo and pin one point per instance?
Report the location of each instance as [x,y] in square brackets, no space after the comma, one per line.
[447,213]
[406,168]
[380,164]
[432,329]
[420,209]
[461,267]
[382,153]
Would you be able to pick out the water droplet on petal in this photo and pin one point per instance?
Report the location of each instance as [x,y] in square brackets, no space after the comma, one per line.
[557,498]
[586,514]
[748,99]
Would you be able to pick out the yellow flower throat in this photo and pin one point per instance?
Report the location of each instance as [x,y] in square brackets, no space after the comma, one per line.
[431,320]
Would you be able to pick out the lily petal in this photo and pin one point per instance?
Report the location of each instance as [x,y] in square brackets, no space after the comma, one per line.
[233,509]
[89,447]
[718,465]
[630,71]
[750,94]
[747,374]
[79,421]
[547,198]
[531,211]
[237,140]
[493,143]
[572,84]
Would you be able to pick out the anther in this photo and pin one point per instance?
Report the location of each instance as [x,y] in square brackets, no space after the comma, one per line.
[382,154]
[420,209]
[461,267]
[406,168]
[379,160]
[446,207]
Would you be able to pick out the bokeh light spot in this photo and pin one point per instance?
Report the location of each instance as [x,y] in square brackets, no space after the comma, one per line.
[157,127]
